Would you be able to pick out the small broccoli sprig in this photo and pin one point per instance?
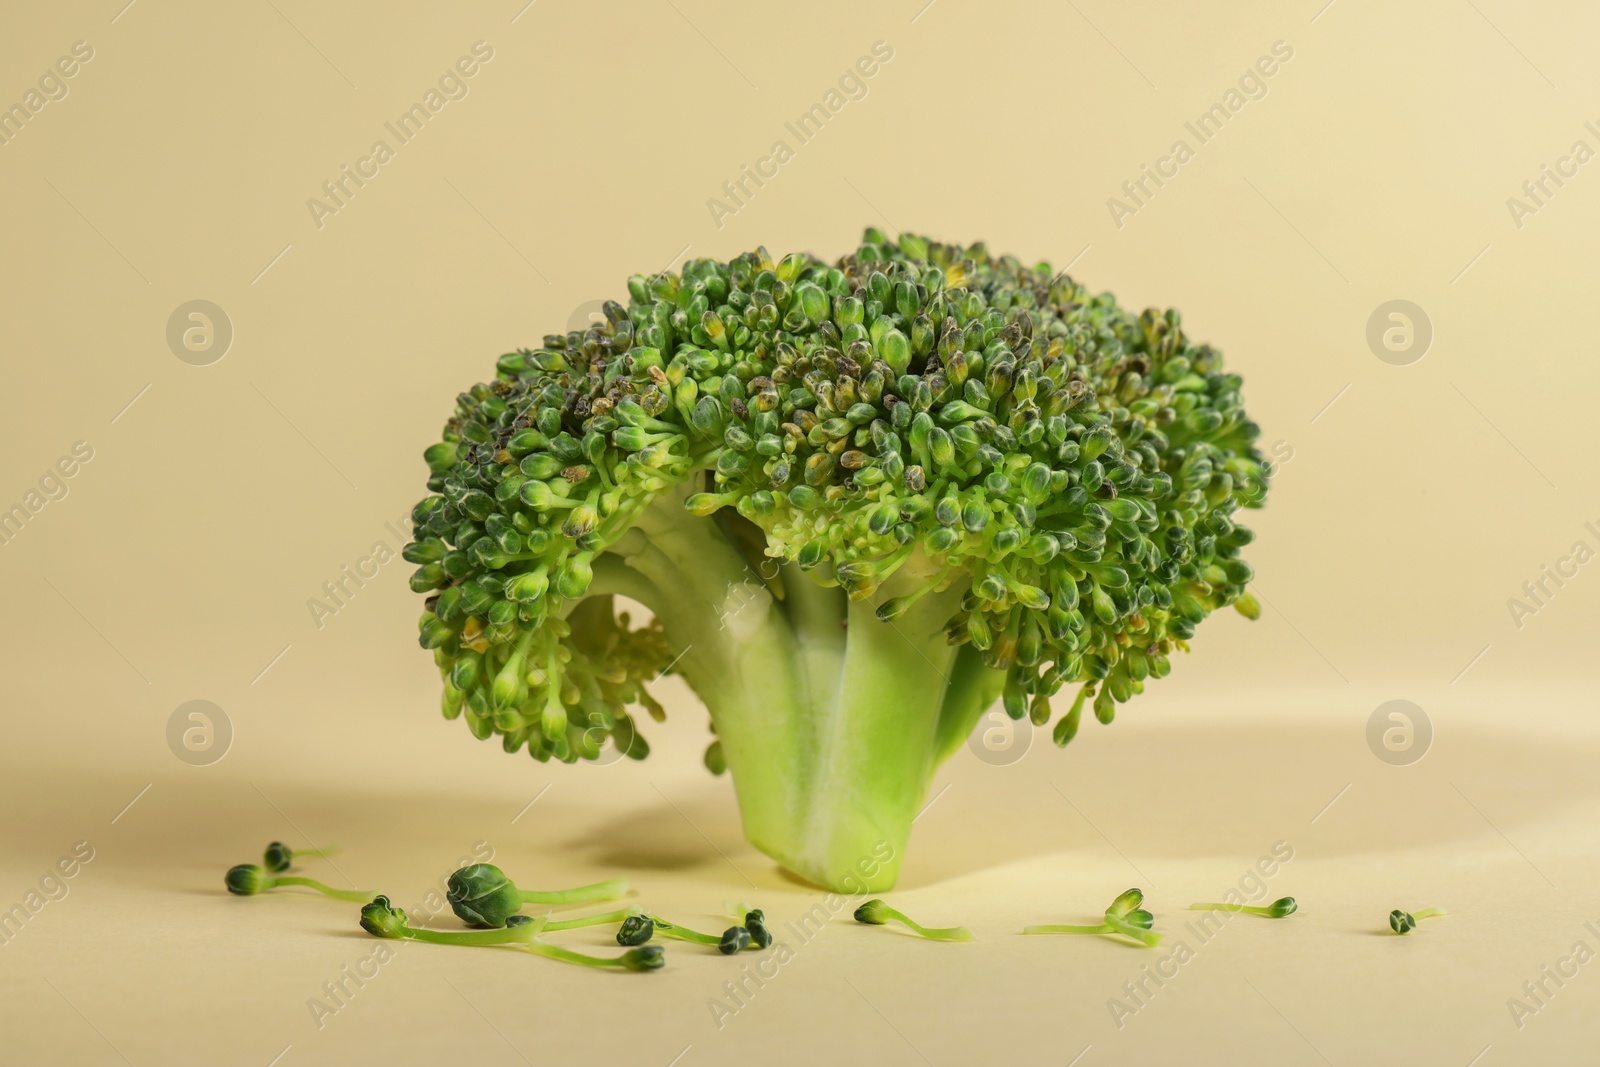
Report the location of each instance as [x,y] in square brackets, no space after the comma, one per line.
[278,856]
[381,919]
[248,879]
[877,913]
[754,920]
[641,928]
[1276,910]
[1124,917]
[1403,922]
[755,923]
[482,895]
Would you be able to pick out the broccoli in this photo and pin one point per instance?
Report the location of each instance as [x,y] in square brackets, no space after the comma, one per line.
[862,501]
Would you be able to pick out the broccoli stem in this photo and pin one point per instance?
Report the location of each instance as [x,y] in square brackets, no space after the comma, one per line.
[359,896]
[583,894]
[831,720]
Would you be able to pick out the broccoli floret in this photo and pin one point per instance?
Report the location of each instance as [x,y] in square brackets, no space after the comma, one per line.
[862,501]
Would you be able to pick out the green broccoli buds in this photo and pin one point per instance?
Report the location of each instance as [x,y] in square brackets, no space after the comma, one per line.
[1276,910]
[1123,917]
[482,895]
[1403,922]
[381,919]
[780,458]
[247,879]
[755,923]
[278,856]
[877,913]
[734,939]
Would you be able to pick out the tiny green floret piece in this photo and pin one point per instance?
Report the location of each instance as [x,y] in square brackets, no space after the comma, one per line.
[877,913]
[278,856]
[874,495]
[1123,917]
[381,919]
[482,895]
[754,920]
[734,939]
[1403,922]
[248,879]
[1276,910]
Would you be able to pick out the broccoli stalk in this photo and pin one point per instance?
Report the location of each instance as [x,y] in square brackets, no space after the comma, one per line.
[831,720]
[861,502]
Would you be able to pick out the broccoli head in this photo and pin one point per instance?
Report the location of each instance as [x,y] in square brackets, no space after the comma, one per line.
[860,501]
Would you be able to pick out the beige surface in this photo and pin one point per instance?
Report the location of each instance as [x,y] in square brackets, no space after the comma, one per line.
[179,563]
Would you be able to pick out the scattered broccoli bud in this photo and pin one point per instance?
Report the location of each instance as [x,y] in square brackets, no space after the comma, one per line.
[734,939]
[869,493]
[381,919]
[1123,917]
[1403,922]
[877,913]
[1276,910]
[482,895]
[760,936]
[278,856]
[1127,902]
[754,921]
[247,879]
[635,930]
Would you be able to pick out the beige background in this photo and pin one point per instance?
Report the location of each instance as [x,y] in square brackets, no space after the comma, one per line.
[178,566]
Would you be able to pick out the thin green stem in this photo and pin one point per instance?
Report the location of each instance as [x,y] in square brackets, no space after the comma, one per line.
[359,896]
[932,933]
[1429,913]
[876,913]
[505,935]
[1112,925]
[592,920]
[682,933]
[614,889]
[1147,938]
[1059,928]
[566,955]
